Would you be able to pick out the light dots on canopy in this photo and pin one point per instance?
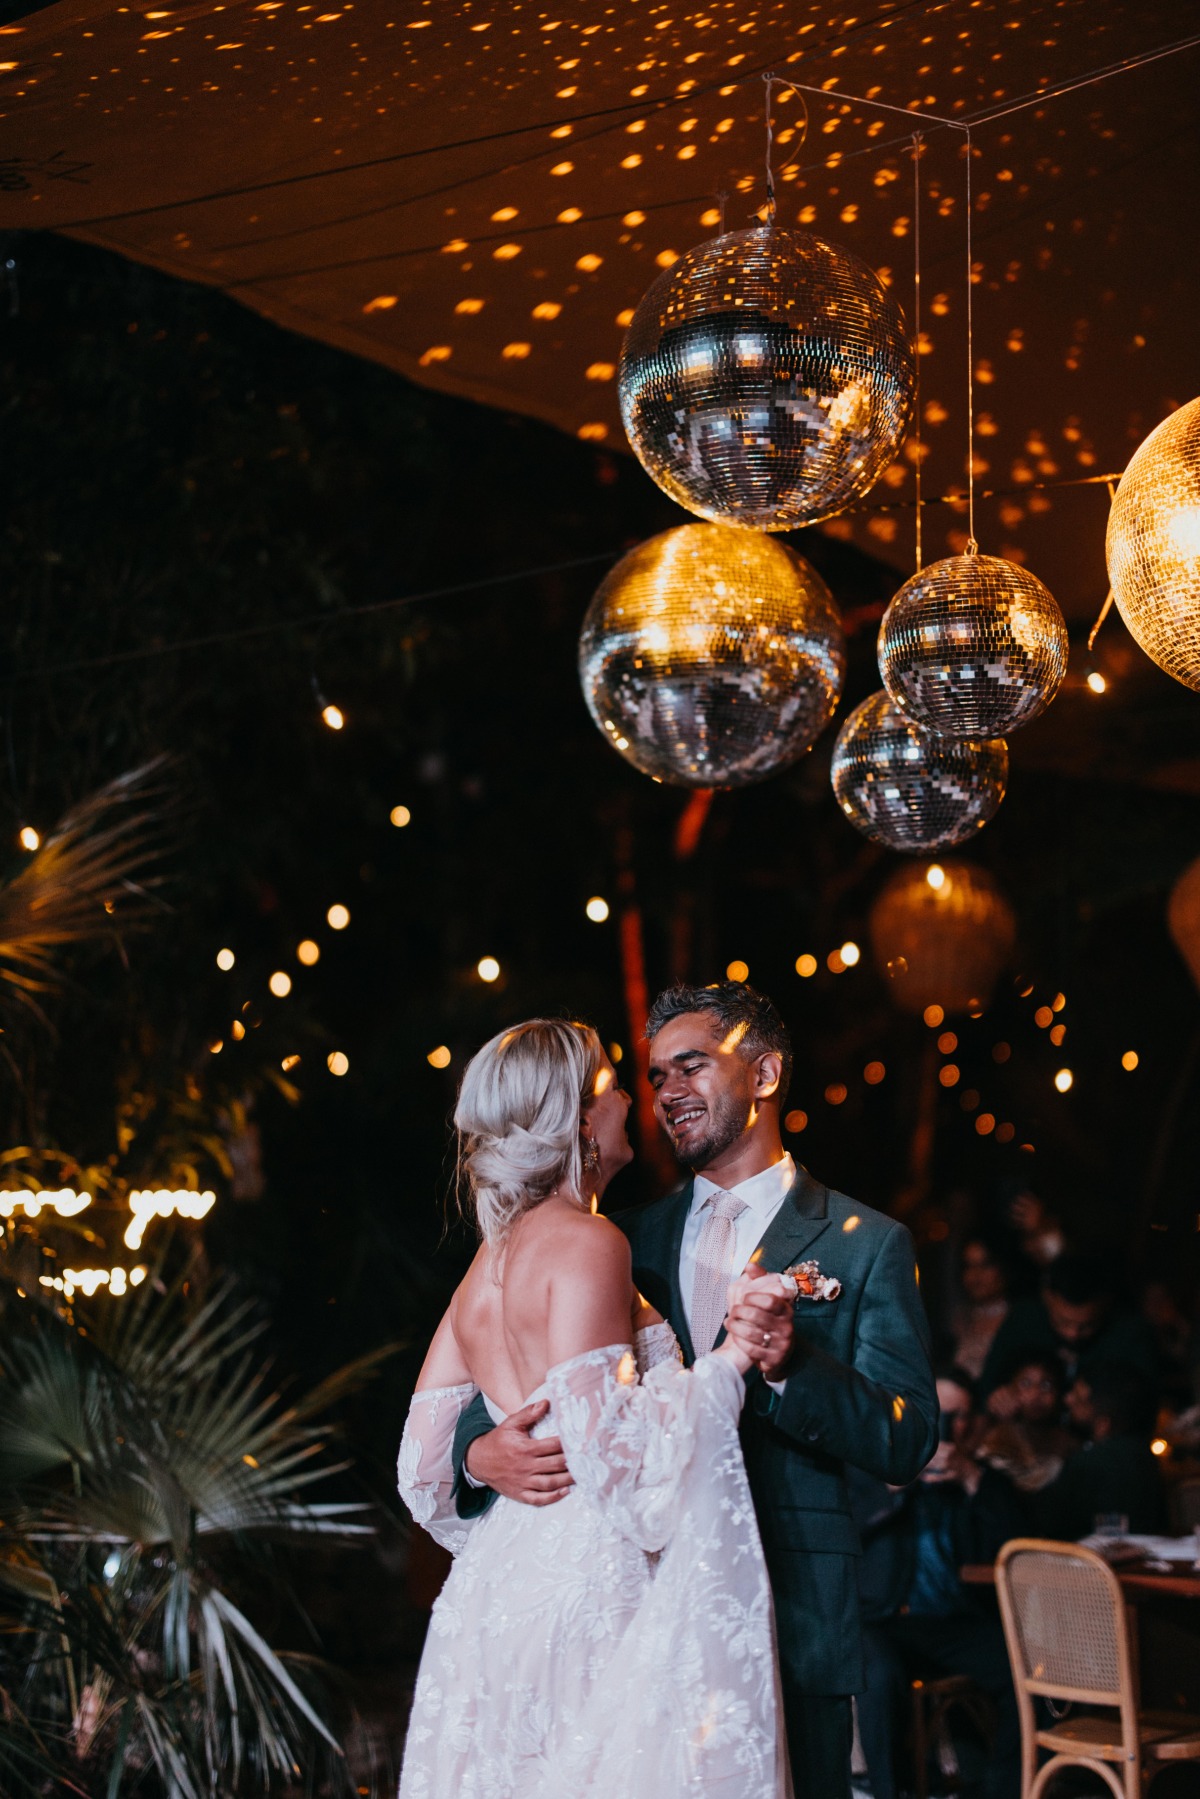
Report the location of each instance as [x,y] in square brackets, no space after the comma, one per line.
[711,657]
[767,379]
[1153,545]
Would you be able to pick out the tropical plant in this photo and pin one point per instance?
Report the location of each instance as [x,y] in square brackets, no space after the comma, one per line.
[149,1470]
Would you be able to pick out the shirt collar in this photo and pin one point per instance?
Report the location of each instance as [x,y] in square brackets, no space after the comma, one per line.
[763,1192]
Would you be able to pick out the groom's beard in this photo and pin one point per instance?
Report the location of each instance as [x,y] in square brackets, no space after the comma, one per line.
[726,1122]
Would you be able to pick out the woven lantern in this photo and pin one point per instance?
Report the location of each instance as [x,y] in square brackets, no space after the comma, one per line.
[941,934]
[1183,917]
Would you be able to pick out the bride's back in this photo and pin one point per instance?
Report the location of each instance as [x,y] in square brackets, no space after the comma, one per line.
[518,1116]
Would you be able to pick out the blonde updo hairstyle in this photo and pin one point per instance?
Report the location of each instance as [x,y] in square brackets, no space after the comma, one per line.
[518,1119]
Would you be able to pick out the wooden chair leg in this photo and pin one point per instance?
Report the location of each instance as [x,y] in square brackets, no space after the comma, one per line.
[920,1744]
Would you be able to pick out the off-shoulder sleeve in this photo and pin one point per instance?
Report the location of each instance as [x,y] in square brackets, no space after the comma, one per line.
[629,1444]
[425,1467]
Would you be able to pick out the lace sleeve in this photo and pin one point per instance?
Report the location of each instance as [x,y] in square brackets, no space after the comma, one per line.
[629,1444]
[425,1468]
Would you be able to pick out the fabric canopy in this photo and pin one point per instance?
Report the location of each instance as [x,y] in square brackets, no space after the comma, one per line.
[477,194]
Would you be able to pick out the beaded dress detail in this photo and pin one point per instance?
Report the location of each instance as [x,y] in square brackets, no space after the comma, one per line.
[620,1641]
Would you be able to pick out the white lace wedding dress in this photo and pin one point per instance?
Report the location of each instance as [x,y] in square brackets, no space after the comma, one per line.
[618,1644]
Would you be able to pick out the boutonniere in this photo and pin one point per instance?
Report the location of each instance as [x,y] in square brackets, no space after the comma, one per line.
[810,1283]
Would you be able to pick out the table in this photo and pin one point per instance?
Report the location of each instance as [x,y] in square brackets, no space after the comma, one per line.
[1182,1582]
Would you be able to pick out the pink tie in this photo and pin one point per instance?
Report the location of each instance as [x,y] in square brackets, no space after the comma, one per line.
[714,1268]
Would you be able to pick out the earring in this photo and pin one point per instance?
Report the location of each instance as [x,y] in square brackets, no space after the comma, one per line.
[591,1156]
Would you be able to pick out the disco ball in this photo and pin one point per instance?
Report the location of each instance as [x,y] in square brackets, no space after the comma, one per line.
[1153,545]
[766,379]
[909,788]
[941,936]
[973,647]
[711,657]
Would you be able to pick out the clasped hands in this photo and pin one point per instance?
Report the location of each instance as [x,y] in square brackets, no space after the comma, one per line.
[534,1471]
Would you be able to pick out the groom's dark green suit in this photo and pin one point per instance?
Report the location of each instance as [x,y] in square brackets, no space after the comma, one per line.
[859,1389]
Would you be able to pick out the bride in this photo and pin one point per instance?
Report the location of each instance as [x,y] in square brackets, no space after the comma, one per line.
[620,1640]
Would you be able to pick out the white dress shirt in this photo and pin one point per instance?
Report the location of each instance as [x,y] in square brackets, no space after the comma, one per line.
[763,1195]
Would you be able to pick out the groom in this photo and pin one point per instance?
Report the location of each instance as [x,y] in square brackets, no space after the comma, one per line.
[840,1379]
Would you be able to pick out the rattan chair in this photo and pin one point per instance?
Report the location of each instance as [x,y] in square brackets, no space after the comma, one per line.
[1068,1639]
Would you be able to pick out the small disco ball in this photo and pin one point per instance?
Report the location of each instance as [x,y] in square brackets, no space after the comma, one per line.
[1153,545]
[712,657]
[973,647]
[909,788]
[767,379]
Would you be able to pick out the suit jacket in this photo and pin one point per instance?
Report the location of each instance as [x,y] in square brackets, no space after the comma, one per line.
[860,1390]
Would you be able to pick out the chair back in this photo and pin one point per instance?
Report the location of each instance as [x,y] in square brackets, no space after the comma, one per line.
[1065,1624]
[1185,1504]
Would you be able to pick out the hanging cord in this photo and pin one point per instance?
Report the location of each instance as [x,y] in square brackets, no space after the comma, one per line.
[917,326]
[972,546]
[1108,598]
[769,80]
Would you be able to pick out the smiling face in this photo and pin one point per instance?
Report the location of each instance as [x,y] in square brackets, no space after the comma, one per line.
[708,1093]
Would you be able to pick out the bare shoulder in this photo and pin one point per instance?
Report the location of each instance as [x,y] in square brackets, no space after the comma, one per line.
[589,1244]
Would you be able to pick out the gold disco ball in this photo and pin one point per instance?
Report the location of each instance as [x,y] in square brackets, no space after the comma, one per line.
[767,379]
[1183,917]
[973,646]
[909,788]
[712,657]
[1153,545]
[941,935]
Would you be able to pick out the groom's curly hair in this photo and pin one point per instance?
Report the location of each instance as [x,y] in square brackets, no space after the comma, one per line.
[735,1007]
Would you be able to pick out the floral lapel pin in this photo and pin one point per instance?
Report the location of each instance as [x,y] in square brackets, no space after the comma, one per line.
[810,1283]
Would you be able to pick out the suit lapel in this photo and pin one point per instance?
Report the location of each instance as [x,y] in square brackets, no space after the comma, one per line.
[798,1222]
[679,1318]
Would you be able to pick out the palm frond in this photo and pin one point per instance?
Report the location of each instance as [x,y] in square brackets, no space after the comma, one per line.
[92,874]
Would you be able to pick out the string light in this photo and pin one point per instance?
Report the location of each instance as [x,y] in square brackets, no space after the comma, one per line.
[850,954]
[935,874]
[334,717]
[1096,681]
[29,839]
[1129,1060]
[225,960]
[400,816]
[337,1062]
[488,969]
[439,1057]
[796,1121]
[737,971]
[288,1063]
[63,1200]
[597,909]
[806,966]
[1064,1080]
[89,1280]
[237,1030]
[834,962]
[146,1203]
[933,1016]
[615,1053]
[337,917]
[280,984]
[308,952]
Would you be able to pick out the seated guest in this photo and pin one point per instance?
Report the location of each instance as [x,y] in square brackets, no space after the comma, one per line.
[1115,1474]
[983,1276]
[1077,1319]
[1025,1439]
[920,1621]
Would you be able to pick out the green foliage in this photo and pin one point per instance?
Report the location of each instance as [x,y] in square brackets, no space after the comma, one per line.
[148,1468]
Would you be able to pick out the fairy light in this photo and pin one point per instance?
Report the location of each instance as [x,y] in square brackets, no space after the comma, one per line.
[288,1063]
[90,1280]
[28,838]
[1064,1080]
[850,954]
[334,717]
[737,971]
[835,962]
[400,816]
[146,1203]
[1129,1060]
[308,952]
[280,984]
[806,966]
[337,1062]
[933,1016]
[225,960]
[597,909]
[488,969]
[796,1121]
[439,1057]
[337,917]
[1096,681]
[935,875]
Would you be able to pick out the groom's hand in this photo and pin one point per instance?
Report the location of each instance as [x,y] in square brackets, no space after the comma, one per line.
[760,1315]
[530,1469]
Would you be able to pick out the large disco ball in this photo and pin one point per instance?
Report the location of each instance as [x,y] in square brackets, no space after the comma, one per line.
[712,657]
[1153,545]
[766,379]
[941,936]
[973,647]
[909,788]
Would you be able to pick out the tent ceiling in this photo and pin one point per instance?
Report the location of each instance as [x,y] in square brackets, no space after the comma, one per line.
[475,194]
